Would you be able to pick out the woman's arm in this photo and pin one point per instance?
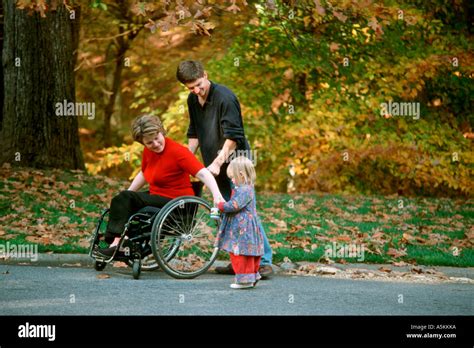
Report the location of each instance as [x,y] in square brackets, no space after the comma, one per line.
[138,182]
[206,177]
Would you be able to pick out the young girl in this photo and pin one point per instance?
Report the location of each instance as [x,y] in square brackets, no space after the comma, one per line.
[239,232]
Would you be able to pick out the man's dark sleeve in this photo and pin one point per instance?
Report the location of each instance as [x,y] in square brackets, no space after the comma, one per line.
[191,129]
[231,122]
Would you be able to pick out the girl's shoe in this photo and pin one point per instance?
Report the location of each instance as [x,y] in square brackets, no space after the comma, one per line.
[242,285]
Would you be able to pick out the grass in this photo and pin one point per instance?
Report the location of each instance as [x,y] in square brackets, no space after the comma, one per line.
[305,227]
[58,211]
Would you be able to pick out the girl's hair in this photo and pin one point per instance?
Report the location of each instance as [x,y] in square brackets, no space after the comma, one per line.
[243,171]
[146,125]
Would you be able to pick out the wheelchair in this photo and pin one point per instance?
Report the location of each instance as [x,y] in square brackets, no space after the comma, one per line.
[179,238]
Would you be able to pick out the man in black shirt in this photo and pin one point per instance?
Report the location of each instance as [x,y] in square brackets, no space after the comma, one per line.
[216,127]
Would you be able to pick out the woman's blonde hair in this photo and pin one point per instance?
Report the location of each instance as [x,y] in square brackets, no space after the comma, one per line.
[146,125]
[243,171]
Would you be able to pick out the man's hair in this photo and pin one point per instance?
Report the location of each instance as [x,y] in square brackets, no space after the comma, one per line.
[146,125]
[189,71]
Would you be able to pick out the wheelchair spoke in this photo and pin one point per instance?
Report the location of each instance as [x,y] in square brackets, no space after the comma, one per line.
[183,225]
[172,229]
[197,223]
[177,222]
[188,225]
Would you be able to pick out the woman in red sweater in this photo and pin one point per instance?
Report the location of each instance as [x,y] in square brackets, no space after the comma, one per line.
[166,166]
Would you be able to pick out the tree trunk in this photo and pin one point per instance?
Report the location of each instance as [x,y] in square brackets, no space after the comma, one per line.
[115,90]
[38,65]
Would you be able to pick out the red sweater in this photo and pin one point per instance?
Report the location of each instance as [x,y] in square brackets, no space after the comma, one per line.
[168,172]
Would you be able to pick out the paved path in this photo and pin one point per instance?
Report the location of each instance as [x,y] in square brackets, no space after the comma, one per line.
[35,290]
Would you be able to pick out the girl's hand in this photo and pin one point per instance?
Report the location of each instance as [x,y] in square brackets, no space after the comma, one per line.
[217,200]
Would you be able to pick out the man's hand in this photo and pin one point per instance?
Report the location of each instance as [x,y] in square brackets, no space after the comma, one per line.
[223,155]
[214,168]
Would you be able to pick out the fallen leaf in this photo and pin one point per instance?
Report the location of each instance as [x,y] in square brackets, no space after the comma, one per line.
[333,47]
[326,270]
[396,253]
[120,264]
[418,270]
[63,219]
[71,264]
[408,238]
[325,259]
[74,193]
[339,16]
[399,264]
[103,276]
[344,238]
[385,269]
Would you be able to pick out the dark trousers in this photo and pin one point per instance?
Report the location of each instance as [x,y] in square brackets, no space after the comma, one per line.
[224,183]
[124,205]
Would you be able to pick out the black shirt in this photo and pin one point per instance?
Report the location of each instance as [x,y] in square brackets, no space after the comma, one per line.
[219,119]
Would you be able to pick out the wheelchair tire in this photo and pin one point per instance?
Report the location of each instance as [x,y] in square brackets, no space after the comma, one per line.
[99,265]
[148,263]
[183,237]
[136,268]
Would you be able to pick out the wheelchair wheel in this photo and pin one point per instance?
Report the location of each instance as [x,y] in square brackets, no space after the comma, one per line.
[99,265]
[183,237]
[148,263]
[136,268]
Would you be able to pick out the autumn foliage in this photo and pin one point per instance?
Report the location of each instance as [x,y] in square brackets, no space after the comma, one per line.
[312,78]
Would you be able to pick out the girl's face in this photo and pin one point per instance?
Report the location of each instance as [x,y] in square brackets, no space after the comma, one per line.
[233,178]
[229,174]
[154,142]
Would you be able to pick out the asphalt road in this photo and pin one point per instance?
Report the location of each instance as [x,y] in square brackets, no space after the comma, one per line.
[33,290]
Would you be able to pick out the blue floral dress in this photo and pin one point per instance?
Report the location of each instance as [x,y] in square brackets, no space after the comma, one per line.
[239,232]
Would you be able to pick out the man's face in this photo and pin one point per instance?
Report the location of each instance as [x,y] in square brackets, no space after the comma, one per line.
[200,86]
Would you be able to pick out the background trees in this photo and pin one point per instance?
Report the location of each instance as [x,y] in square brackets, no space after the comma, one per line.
[327,68]
[311,75]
